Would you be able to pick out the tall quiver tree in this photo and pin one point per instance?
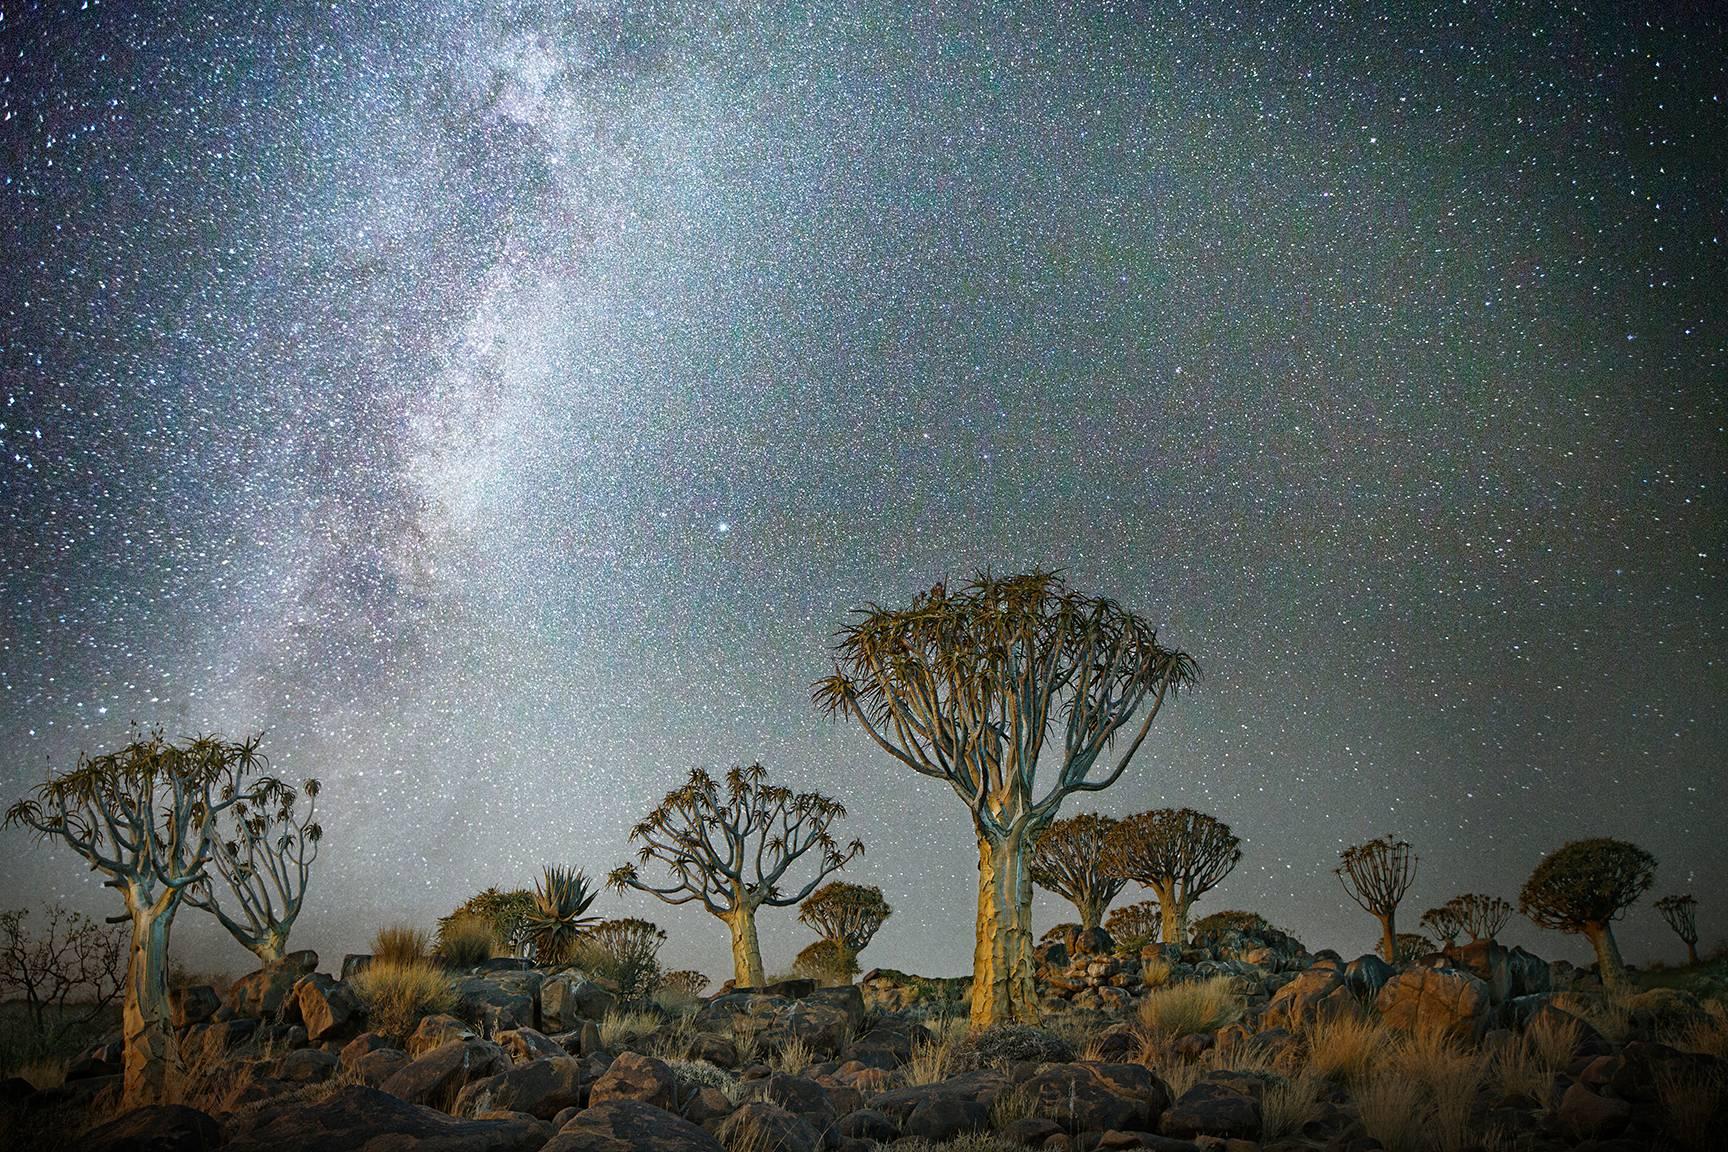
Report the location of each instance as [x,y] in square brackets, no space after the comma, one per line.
[147,817]
[848,916]
[1068,859]
[1681,914]
[263,859]
[1179,853]
[1583,888]
[1376,875]
[967,689]
[728,846]
[1481,916]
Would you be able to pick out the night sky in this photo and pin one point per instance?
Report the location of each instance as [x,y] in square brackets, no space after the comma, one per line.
[499,406]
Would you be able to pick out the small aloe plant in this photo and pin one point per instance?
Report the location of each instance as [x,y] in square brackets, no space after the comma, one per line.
[558,919]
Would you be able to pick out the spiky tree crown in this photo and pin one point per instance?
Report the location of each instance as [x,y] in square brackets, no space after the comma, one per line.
[1378,873]
[1177,846]
[848,914]
[1481,916]
[1133,926]
[1442,923]
[967,687]
[1068,859]
[1587,883]
[735,841]
[148,813]
[1681,914]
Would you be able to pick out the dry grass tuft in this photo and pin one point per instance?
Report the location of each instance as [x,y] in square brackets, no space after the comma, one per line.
[1156,971]
[621,1026]
[397,994]
[1194,1006]
[1289,1103]
[1013,1105]
[1707,1037]
[793,1057]
[1451,1076]
[1345,1047]
[467,941]
[400,944]
[1692,1102]
[931,1061]
[1392,1110]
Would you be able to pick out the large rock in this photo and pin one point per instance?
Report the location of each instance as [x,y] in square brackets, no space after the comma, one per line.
[1366,975]
[499,1001]
[735,1012]
[569,998]
[1508,972]
[194,1005]
[1089,1096]
[888,1045]
[1222,1105]
[1420,999]
[438,1077]
[823,1021]
[1319,993]
[763,1127]
[157,1128]
[329,1009]
[435,1032]
[542,1088]
[642,1079]
[798,1095]
[1586,1115]
[522,1044]
[629,1126]
[266,992]
[360,1119]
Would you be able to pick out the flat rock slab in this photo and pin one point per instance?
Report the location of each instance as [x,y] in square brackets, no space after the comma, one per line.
[367,1120]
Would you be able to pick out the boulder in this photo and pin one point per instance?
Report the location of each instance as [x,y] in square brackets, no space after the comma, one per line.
[763,1127]
[638,1078]
[1320,993]
[1227,1108]
[194,1005]
[365,1118]
[1090,1096]
[798,1095]
[541,1088]
[156,1128]
[1366,975]
[266,992]
[435,1032]
[305,1066]
[1419,999]
[1659,1009]
[522,1044]
[629,1126]
[499,1001]
[438,1077]
[1586,1115]
[328,1009]
[353,964]
[569,998]
[939,1117]
[867,1124]
[375,1067]
[888,1045]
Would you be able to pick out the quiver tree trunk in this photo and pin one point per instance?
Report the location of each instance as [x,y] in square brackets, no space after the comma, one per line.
[271,946]
[1692,953]
[1002,970]
[1608,962]
[1091,914]
[1389,937]
[151,1049]
[746,952]
[1169,915]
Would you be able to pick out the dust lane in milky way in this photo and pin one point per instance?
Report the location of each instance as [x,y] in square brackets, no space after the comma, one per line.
[500,407]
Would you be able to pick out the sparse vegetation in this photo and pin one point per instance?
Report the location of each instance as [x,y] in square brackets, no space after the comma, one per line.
[399,992]
[1133,926]
[465,941]
[1194,1006]
[506,911]
[625,951]
[61,977]
[399,944]
[1068,859]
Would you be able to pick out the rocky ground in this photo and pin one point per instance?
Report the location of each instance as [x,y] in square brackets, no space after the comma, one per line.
[1246,1043]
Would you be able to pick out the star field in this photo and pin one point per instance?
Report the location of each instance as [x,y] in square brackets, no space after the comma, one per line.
[499,405]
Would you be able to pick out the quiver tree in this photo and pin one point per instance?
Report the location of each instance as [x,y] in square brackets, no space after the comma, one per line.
[1068,859]
[967,689]
[1179,853]
[1376,875]
[848,916]
[1481,916]
[147,818]
[1681,913]
[729,845]
[1133,926]
[1442,924]
[263,860]
[1583,888]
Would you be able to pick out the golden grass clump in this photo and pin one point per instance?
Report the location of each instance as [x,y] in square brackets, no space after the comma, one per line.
[621,1026]
[931,1061]
[1193,1006]
[1451,1075]
[1155,971]
[1692,1100]
[793,1057]
[467,941]
[1344,1048]
[1289,1103]
[399,993]
[400,944]
[1392,1110]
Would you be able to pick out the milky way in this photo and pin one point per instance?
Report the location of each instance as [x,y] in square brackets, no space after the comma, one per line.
[500,406]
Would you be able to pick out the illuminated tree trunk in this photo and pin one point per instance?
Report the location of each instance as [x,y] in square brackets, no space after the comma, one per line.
[1172,922]
[746,952]
[1389,937]
[271,946]
[1002,985]
[1091,913]
[1608,962]
[151,1050]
